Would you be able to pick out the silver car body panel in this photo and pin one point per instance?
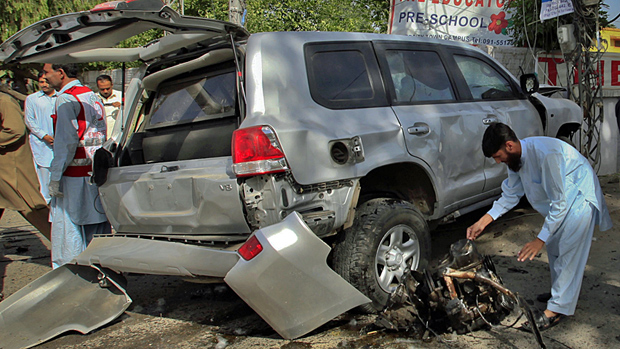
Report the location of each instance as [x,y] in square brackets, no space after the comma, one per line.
[289,283]
[69,298]
[305,128]
[560,112]
[206,201]
[68,38]
[144,256]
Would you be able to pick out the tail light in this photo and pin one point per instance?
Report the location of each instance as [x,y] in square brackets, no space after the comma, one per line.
[256,150]
[250,249]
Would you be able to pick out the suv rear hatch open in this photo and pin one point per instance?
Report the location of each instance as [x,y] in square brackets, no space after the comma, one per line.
[189,85]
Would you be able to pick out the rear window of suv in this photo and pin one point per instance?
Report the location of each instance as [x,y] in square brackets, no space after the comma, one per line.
[194,100]
[344,75]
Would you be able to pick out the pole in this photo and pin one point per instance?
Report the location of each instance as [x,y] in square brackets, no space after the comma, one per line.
[236,8]
[585,77]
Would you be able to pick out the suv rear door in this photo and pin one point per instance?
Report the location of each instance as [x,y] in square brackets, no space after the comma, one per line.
[437,128]
[489,91]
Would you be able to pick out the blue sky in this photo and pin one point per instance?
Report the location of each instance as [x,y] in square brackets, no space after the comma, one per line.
[613,10]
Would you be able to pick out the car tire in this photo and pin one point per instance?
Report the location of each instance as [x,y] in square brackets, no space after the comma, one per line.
[373,253]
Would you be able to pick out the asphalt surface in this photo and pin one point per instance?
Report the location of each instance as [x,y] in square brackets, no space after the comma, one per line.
[169,312]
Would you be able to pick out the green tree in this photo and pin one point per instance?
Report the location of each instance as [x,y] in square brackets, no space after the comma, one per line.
[378,12]
[16,15]
[309,15]
[526,29]
[298,15]
[216,9]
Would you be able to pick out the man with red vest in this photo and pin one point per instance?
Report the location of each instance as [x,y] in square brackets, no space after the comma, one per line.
[80,129]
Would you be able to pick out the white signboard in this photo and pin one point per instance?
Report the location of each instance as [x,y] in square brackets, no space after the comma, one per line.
[555,8]
[470,21]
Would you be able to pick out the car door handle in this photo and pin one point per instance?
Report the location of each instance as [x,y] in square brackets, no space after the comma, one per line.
[418,130]
[491,119]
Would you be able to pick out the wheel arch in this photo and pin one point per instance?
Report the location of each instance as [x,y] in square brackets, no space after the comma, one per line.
[405,181]
[567,130]
[355,251]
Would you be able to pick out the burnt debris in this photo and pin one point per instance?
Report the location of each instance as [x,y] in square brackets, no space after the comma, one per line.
[462,294]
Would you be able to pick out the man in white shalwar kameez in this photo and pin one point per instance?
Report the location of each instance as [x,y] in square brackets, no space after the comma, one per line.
[38,118]
[562,186]
[80,129]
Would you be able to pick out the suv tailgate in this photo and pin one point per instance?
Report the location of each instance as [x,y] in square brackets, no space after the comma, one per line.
[93,35]
[205,199]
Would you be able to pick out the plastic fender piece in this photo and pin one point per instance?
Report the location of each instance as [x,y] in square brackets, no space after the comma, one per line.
[68,298]
[289,283]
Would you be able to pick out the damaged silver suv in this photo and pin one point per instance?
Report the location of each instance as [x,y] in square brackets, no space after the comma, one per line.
[247,157]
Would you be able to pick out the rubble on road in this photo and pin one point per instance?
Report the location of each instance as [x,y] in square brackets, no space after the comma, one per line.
[462,294]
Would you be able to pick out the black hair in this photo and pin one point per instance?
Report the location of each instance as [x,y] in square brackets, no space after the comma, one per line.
[41,74]
[104,77]
[70,69]
[495,137]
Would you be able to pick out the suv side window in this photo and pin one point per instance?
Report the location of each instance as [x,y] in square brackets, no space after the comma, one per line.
[344,75]
[484,82]
[418,76]
[189,101]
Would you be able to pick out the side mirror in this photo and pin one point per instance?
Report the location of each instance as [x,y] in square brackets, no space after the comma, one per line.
[529,83]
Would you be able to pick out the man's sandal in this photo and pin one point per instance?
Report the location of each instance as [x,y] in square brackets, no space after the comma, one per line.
[543,322]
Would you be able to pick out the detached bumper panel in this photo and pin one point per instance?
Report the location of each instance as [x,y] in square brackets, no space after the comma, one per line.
[289,284]
[69,298]
[143,256]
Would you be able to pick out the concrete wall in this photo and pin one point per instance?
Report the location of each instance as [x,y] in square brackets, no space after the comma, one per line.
[515,59]
[610,153]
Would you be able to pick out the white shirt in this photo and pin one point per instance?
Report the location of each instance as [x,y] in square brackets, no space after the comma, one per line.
[38,117]
[111,112]
[552,176]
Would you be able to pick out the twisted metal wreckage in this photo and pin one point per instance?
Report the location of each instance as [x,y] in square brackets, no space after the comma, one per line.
[463,294]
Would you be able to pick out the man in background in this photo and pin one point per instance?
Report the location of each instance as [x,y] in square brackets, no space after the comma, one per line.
[38,118]
[111,101]
[80,130]
[19,187]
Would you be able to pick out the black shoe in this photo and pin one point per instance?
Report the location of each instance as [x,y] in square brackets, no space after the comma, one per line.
[543,322]
[543,297]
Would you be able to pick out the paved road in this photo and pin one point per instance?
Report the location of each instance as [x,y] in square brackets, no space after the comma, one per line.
[168,312]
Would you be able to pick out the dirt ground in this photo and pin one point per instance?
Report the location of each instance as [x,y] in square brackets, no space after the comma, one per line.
[169,312]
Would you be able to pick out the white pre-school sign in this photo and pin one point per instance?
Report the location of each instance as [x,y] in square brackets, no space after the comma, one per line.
[469,21]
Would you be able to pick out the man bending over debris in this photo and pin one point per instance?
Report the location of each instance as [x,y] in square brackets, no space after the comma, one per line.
[562,186]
